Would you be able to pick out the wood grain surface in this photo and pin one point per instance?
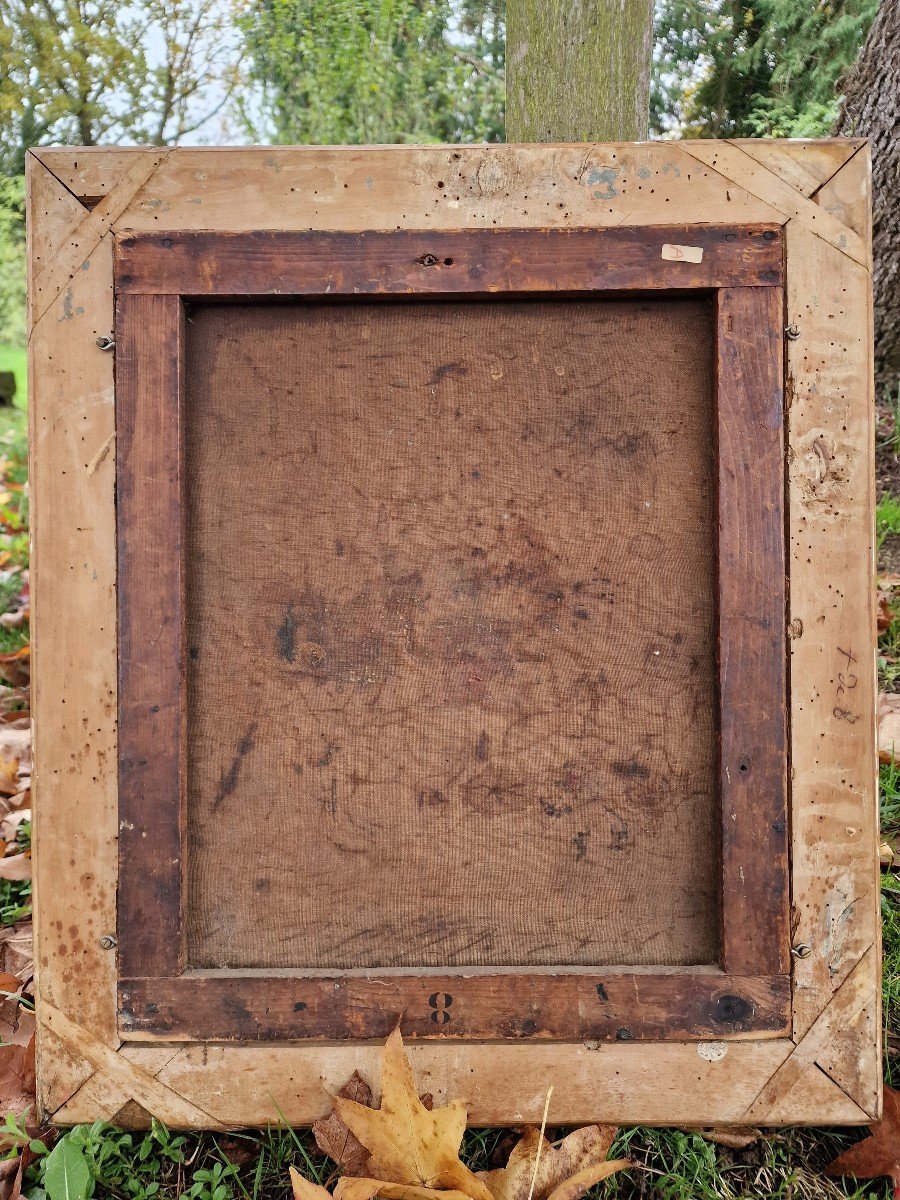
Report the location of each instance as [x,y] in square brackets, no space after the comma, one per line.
[752,639]
[608,1006]
[149,451]
[448,263]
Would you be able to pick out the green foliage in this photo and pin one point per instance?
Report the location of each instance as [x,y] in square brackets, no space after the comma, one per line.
[12,261]
[753,68]
[212,1183]
[13,357]
[373,71]
[887,517]
[79,71]
[14,1133]
[67,1175]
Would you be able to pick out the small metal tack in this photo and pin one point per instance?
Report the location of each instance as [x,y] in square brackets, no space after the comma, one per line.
[803,950]
[792,332]
[106,342]
[108,942]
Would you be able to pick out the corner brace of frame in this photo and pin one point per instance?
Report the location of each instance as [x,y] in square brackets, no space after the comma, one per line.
[133,1080]
[79,246]
[844,1006]
[741,168]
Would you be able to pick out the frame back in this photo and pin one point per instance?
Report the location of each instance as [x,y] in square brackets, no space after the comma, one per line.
[457,570]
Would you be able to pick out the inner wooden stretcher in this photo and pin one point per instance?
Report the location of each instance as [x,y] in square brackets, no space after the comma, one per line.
[451,621]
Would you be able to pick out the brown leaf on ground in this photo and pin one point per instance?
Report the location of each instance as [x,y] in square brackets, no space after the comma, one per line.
[884,613]
[407,1144]
[11,1177]
[15,668]
[888,726]
[9,824]
[16,866]
[305,1189]
[335,1139]
[15,756]
[237,1153]
[20,801]
[365,1189]
[739,1137]
[17,950]
[17,1078]
[17,1022]
[568,1168]
[879,1154]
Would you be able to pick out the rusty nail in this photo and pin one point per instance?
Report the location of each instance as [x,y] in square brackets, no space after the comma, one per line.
[792,332]
[108,942]
[803,950]
[106,342]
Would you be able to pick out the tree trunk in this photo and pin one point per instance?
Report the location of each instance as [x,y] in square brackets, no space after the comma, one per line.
[871,109]
[578,70]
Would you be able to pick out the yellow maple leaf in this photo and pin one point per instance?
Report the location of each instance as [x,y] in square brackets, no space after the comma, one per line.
[349,1188]
[564,1171]
[407,1144]
[305,1189]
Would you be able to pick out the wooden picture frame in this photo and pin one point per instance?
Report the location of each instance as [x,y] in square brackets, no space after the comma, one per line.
[784,1028]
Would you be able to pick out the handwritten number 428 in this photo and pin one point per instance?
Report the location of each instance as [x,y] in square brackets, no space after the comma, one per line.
[846,683]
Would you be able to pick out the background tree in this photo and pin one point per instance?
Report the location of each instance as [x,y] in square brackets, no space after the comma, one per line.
[871,109]
[579,70]
[753,68]
[82,71]
[12,260]
[355,71]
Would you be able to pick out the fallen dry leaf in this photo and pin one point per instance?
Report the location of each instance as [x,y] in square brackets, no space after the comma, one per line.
[17,950]
[17,1078]
[16,803]
[739,1137]
[16,866]
[335,1139]
[888,726]
[884,613]
[574,1161]
[878,1154]
[407,1144]
[11,1177]
[15,668]
[9,825]
[17,1022]
[364,1189]
[305,1189]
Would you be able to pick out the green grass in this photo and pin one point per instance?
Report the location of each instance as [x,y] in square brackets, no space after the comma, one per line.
[887,518]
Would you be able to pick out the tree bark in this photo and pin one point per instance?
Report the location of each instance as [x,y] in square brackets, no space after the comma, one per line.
[871,109]
[578,70]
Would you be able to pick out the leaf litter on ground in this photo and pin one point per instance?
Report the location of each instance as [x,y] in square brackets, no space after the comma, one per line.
[879,1154]
[408,1150]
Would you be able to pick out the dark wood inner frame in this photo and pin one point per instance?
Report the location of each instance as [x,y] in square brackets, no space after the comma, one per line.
[748,991]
